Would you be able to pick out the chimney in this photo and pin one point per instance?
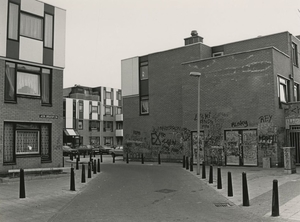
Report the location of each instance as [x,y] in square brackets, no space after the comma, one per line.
[195,38]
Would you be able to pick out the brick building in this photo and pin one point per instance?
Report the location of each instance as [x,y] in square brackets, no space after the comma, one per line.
[93,116]
[32,59]
[249,101]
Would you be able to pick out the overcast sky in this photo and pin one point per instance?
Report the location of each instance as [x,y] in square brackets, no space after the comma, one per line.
[100,33]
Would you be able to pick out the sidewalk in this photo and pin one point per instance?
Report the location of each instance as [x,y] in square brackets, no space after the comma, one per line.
[45,195]
[260,185]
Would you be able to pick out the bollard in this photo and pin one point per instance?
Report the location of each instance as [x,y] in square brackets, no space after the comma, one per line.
[229,190]
[183,161]
[127,160]
[211,174]
[101,157]
[83,174]
[71,156]
[187,163]
[22,184]
[159,158]
[191,164]
[245,190]
[89,170]
[219,182]
[142,158]
[63,162]
[203,170]
[113,156]
[72,181]
[98,165]
[78,156]
[84,154]
[275,199]
[94,167]
[77,163]
[91,158]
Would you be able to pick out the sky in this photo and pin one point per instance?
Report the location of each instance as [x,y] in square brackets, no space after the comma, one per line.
[101,33]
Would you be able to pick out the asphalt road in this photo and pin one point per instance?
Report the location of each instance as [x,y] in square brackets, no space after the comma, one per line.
[150,192]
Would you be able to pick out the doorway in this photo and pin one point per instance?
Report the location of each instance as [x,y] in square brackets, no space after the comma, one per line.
[295,141]
[241,147]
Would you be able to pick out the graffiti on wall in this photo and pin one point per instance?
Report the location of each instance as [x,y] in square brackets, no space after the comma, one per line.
[267,135]
[170,139]
[241,123]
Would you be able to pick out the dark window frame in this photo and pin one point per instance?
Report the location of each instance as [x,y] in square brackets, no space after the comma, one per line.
[8,13]
[44,33]
[295,54]
[36,16]
[39,73]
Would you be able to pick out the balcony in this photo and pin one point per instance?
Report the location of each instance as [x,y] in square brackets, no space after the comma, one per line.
[119,117]
[119,132]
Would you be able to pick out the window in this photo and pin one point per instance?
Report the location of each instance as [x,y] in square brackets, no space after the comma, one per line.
[144,70]
[295,54]
[10,92]
[283,90]
[216,54]
[94,125]
[144,86]
[26,139]
[48,42]
[119,110]
[108,110]
[13,21]
[25,80]
[80,106]
[296,92]
[118,95]
[108,126]
[144,105]
[95,109]
[119,125]
[108,141]
[80,124]
[107,95]
[31,26]
[27,142]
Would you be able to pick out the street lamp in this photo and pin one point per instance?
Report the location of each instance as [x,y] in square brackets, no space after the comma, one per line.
[198,74]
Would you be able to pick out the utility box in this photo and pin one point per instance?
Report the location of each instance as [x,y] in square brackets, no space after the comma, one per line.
[289,154]
[266,162]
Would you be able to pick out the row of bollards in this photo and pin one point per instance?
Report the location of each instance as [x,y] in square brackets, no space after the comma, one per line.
[245,194]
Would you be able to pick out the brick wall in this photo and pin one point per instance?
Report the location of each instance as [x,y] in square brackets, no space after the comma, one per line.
[29,110]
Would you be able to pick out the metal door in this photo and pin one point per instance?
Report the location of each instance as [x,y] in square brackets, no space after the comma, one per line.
[295,141]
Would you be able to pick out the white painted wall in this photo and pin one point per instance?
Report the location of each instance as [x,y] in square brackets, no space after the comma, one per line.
[130,76]
[33,7]
[3,25]
[69,113]
[86,109]
[31,50]
[59,37]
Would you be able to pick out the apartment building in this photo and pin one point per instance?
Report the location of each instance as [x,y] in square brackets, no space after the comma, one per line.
[93,116]
[32,60]
[249,101]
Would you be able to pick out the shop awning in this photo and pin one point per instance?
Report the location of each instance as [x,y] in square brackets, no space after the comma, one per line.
[71,132]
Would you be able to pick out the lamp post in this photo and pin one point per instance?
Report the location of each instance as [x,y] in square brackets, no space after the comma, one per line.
[198,74]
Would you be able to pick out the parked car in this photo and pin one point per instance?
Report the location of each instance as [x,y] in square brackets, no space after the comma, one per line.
[117,151]
[105,149]
[68,150]
[85,149]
